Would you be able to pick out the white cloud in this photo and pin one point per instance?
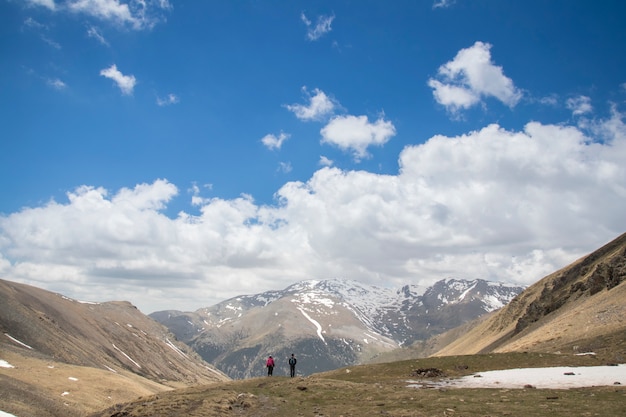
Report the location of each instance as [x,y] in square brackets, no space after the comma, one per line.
[551,100]
[167,100]
[326,162]
[137,14]
[51,42]
[443,4]
[579,105]
[469,77]
[196,198]
[321,27]
[34,24]
[274,142]
[285,167]
[357,133]
[44,3]
[56,83]
[494,203]
[94,32]
[126,83]
[320,105]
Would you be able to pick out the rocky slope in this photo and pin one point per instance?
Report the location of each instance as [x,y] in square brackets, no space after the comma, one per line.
[75,356]
[579,308]
[110,335]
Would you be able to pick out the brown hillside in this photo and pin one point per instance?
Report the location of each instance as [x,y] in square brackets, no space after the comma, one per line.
[109,344]
[580,307]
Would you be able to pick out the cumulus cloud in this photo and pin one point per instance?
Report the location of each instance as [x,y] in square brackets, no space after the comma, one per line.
[325,161]
[320,105]
[126,83]
[356,133]
[579,105]
[321,27]
[494,203]
[470,77]
[274,142]
[196,198]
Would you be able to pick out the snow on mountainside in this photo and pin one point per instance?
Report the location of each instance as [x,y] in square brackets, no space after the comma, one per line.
[333,322]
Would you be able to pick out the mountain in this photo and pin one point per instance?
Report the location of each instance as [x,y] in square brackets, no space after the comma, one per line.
[580,308]
[329,323]
[56,350]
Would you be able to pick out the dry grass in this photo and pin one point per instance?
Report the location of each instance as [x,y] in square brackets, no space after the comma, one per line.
[41,387]
[381,389]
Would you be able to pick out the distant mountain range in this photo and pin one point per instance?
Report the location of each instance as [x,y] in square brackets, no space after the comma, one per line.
[329,323]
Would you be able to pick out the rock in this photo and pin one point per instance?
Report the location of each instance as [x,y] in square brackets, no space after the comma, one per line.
[428,373]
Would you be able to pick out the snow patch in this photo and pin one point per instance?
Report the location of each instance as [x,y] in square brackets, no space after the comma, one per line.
[492,303]
[464,294]
[127,357]
[110,369]
[315,323]
[559,377]
[176,349]
[5,364]
[17,341]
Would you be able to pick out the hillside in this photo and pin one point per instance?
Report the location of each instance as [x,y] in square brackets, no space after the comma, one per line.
[579,308]
[329,323]
[63,351]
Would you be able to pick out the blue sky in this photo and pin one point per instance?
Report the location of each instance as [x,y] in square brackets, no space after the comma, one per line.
[176,153]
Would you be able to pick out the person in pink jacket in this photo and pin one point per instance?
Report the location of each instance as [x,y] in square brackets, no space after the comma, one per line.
[270,366]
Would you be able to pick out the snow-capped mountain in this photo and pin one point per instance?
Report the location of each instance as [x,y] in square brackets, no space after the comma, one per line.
[329,323]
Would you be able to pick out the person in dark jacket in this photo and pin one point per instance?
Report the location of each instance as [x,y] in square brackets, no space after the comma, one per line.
[292,365]
[270,366]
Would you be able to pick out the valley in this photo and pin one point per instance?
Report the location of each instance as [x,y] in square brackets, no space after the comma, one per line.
[357,352]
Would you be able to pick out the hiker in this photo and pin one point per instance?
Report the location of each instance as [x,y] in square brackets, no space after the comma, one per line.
[292,365]
[270,366]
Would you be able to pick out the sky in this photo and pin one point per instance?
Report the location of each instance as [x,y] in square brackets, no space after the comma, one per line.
[179,153]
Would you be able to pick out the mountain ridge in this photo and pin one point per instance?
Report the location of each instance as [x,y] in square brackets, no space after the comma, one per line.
[73,355]
[567,310]
[331,323]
